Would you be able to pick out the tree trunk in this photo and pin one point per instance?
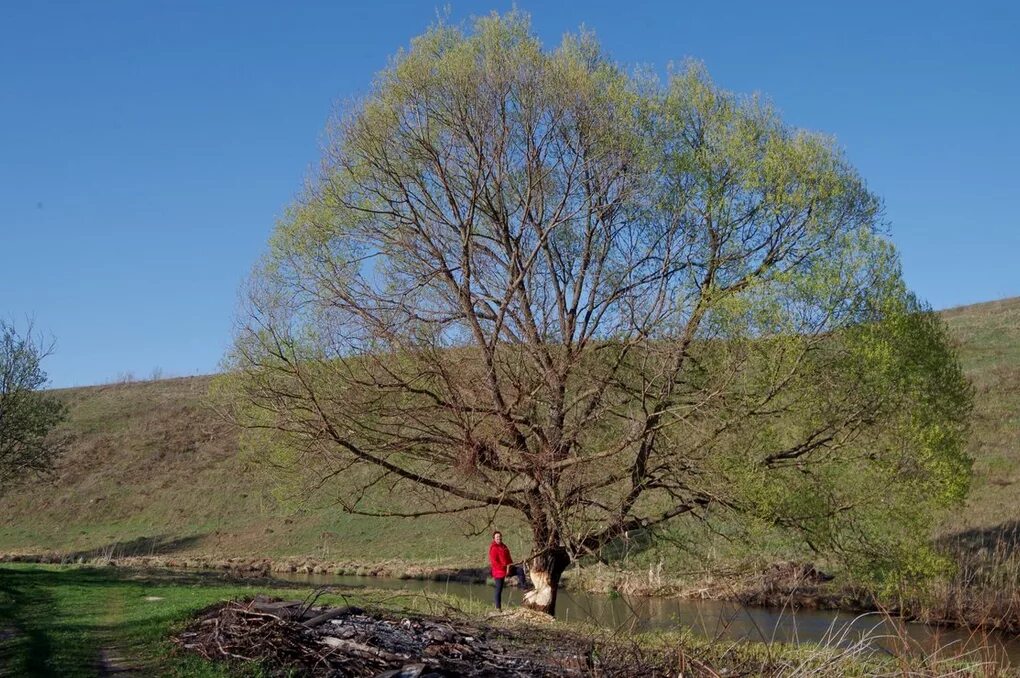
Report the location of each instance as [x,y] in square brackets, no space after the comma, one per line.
[546,571]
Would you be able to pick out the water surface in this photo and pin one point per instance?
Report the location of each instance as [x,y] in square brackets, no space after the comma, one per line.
[710,618]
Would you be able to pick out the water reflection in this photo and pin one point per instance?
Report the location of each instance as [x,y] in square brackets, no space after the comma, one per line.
[710,618]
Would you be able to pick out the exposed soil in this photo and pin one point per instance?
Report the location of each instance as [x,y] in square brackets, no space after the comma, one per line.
[111,663]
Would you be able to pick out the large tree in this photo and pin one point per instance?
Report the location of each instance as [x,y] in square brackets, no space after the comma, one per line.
[28,446]
[524,280]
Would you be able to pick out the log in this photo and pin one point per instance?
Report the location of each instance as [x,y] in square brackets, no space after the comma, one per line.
[406,671]
[276,606]
[361,650]
[332,613]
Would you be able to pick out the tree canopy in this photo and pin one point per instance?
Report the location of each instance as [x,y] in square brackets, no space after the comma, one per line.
[27,415]
[526,279]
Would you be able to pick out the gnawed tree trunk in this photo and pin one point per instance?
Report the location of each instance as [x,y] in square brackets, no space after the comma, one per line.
[546,570]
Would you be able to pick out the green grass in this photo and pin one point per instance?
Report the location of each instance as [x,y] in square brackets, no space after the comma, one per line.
[60,620]
[57,620]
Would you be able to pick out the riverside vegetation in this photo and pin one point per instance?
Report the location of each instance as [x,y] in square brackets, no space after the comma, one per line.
[152,472]
[82,621]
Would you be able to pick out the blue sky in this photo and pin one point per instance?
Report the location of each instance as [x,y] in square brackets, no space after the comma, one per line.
[146,148]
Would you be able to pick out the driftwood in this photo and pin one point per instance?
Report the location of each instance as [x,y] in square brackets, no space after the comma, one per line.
[332,614]
[362,650]
[297,610]
[274,605]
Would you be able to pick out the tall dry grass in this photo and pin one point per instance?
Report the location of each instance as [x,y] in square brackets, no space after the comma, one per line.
[982,590]
[886,649]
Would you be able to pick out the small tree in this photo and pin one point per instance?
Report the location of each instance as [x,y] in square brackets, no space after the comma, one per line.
[27,416]
[524,280]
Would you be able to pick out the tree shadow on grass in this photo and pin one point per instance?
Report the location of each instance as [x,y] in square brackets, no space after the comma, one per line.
[629,544]
[26,648]
[32,577]
[158,545]
[54,619]
[1003,539]
[65,623]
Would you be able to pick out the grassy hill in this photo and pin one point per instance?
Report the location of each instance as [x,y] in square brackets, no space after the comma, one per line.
[152,470]
[988,336]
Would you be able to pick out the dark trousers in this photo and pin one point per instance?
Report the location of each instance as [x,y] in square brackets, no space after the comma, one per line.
[521,583]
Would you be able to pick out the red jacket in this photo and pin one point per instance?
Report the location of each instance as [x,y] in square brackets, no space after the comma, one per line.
[499,559]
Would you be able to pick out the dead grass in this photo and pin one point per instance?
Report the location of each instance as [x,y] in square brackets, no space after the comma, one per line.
[983,591]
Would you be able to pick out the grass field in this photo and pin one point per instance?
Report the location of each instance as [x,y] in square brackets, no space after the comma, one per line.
[152,470]
[84,622]
[81,621]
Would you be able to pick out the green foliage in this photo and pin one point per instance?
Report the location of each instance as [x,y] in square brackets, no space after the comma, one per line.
[27,415]
[872,496]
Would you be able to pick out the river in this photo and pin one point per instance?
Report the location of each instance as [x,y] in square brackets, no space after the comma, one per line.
[715,619]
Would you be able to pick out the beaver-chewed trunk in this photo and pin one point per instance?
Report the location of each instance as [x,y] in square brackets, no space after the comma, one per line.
[546,571]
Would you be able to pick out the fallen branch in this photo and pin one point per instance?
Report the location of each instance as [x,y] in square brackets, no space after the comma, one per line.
[332,614]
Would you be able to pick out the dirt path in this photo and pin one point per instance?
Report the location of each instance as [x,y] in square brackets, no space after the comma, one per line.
[111,662]
[113,658]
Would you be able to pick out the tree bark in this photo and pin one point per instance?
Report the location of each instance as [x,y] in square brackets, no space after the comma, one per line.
[546,570]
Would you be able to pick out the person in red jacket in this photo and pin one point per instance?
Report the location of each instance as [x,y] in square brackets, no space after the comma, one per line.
[502,565]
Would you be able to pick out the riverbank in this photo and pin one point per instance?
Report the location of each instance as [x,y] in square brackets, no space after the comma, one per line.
[260,567]
[84,621]
[989,602]
[781,584]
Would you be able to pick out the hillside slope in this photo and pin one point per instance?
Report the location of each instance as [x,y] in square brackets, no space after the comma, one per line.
[988,337]
[151,469]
